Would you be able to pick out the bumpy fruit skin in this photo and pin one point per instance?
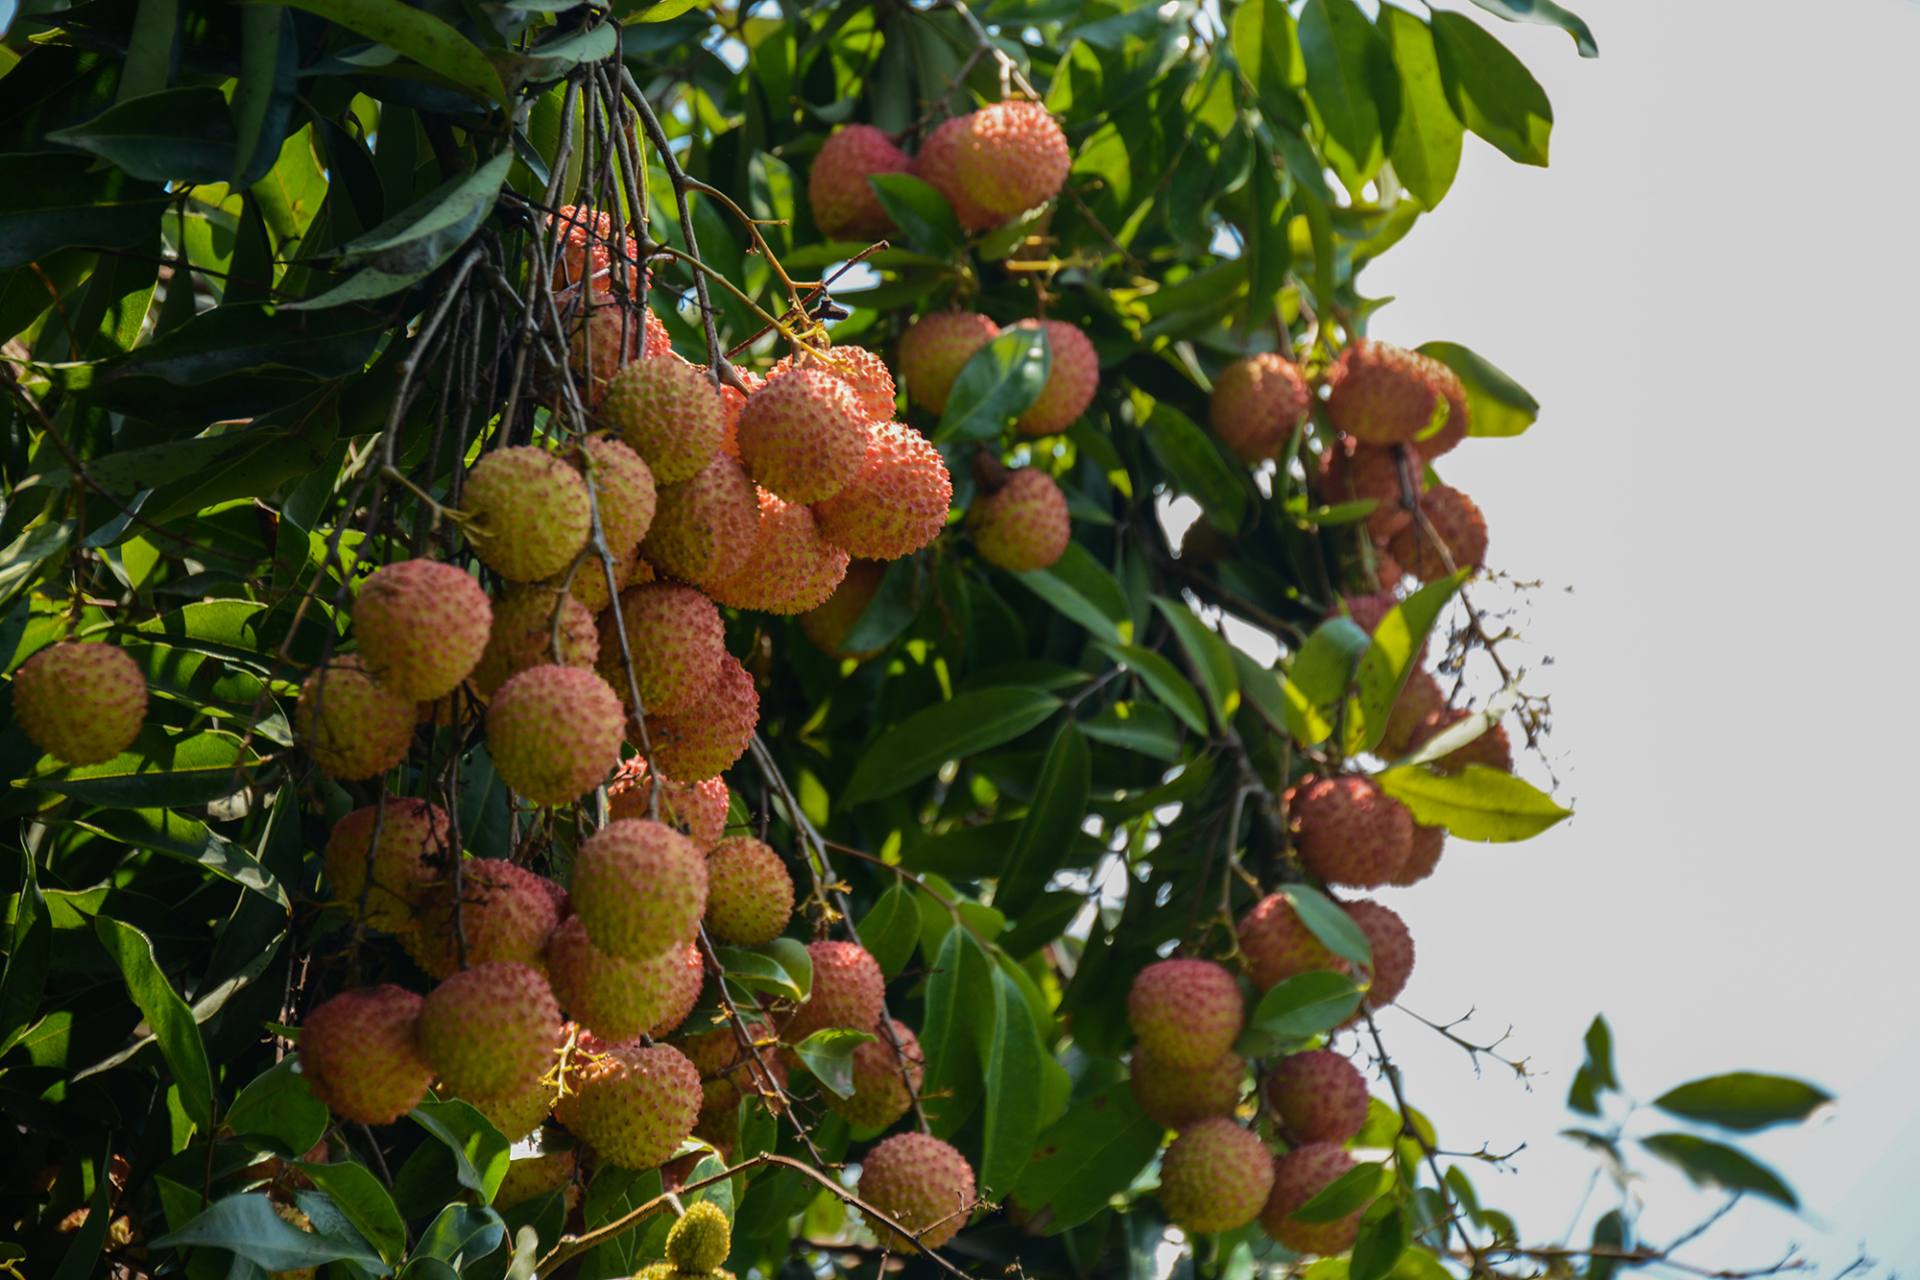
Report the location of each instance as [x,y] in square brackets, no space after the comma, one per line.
[790,568]
[488,1030]
[1347,831]
[351,726]
[1258,402]
[554,733]
[1278,945]
[588,249]
[1175,1097]
[896,503]
[634,1105]
[703,530]
[80,703]
[848,991]
[1392,947]
[676,640]
[699,808]
[531,1177]
[412,833]
[829,625]
[668,413]
[1420,697]
[935,348]
[938,165]
[685,977]
[522,633]
[1298,1177]
[360,1052]
[623,486]
[880,1095]
[1072,379]
[1382,394]
[1319,1097]
[1458,524]
[506,913]
[1012,157]
[1024,525]
[865,374]
[920,1182]
[604,335]
[803,435]
[732,401]
[615,999]
[529,512]
[749,893]
[640,888]
[704,741]
[1428,844]
[844,204]
[701,1240]
[1215,1177]
[421,625]
[1491,749]
[1355,472]
[589,585]
[1187,1013]
[520,1112]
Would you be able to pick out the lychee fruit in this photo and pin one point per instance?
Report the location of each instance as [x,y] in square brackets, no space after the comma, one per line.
[1392,947]
[506,913]
[880,1095]
[489,1030]
[865,374]
[1072,378]
[615,999]
[639,887]
[531,1177]
[829,625]
[935,348]
[360,1053]
[1023,525]
[749,893]
[789,569]
[520,1112]
[587,249]
[705,740]
[1215,1177]
[1428,844]
[703,530]
[80,703]
[675,639]
[588,584]
[1382,394]
[732,400]
[1349,832]
[1420,697]
[351,726]
[843,201]
[1012,157]
[1278,945]
[1491,749]
[605,336]
[633,1104]
[803,435]
[667,412]
[938,165]
[1298,1177]
[701,1240]
[1187,1013]
[1458,524]
[554,733]
[1174,1097]
[422,625]
[1355,472]
[623,487]
[896,503]
[413,834]
[523,630]
[1258,403]
[848,991]
[1319,1096]
[528,512]
[685,977]
[922,1184]
[697,808]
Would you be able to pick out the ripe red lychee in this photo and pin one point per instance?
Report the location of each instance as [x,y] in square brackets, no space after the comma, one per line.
[1278,945]
[1491,749]
[922,1184]
[413,834]
[360,1053]
[935,348]
[351,726]
[865,374]
[421,625]
[896,503]
[615,999]
[880,1093]
[667,412]
[588,249]
[705,740]
[623,487]
[697,808]
[640,887]
[1355,472]
[1011,157]
[634,1105]
[703,530]
[1428,844]
[789,569]
[749,893]
[1186,1013]
[1215,1177]
[1023,525]
[1258,402]
[1456,521]
[1072,378]
[848,991]
[506,913]
[489,1030]
[1298,1177]
[843,201]
[1420,697]
[80,703]
[732,401]
[938,164]
[1382,394]
[523,629]
[528,512]
[829,625]
[531,1177]
[803,435]
[1392,947]
[554,733]
[1319,1096]
[1349,832]
[606,334]
[675,639]
[1174,1097]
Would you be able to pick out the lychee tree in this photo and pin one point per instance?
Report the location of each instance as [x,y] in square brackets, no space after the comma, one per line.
[658,640]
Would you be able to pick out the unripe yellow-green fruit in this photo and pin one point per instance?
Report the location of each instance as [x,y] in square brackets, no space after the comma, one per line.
[351,726]
[640,888]
[1024,524]
[554,733]
[390,883]
[522,633]
[488,1031]
[701,1240]
[1215,1177]
[421,626]
[80,703]
[634,1105]
[623,487]
[921,1183]
[668,412]
[1187,1013]
[749,893]
[528,514]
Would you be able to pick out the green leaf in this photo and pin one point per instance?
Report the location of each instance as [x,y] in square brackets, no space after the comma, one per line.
[1547,13]
[1716,1164]
[793,957]
[190,841]
[1354,1189]
[479,1152]
[416,34]
[891,928]
[829,1056]
[1141,727]
[1087,1157]
[927,739]
[1427,140]
[1208,655]
[1477,803]
[1013,1059]
[158,771]
[82,1256]
[248,1227]
[49,201]
[1045,837]
[1304,1006]
[1330,923]
[264,92]
[1353,93]
[958,1001]
[1391,657]
[1496,404]
[363,1202]
[461,1234]
[1267,46]
[996,385]
[166,1014]
[1492,91]
[919,211]
[277,1105]
[1379,1245]
[28,952]
[1744,1101]
[760,972]
[1319,676]
[1081,588]
[179,135]
[1596,1073]
[1195,467]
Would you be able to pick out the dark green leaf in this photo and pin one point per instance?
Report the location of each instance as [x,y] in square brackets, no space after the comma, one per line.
[82,1256]
[919,211]
[1083,589]
[1059,806]
[418,35]
[1327,921]
[1609,1233]
[1090,1155]
[761,972]
[277,1105]
[1139,726]
[1352,90]
[1354,1189]
[364,1203]
[263,94]
[1208,656]
[1744,1101]
[1427,141]
[183,135]
[49,201]
[891,928]
[1547,13]
[1379,1245]
[1011,1073]
[190,841]
[1477,803]
[829,1056]
[166,1014]
[924,741]
[1596,1073]
[1492,91]
[248,1227]
[1304,1005]
[479,1152]
[959,1000]
[1195,466]
[461,1234]
[159,771]
[29,948]
[1716,1164]
[1496,404]
[996,385]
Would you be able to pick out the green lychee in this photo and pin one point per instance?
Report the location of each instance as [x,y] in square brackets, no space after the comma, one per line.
[531,1177]
[554,733]
[1175,1096]
[633,1104]
[639,887]
[351,726]
[528,512]
[1187,1013]
[668,412]
[488,1031]
[697,808]
[523,630]
[1215,1177]
[623,488]
[749,893]
[701,1240]
[413,838]
[614,998]
[80,703]
[829,625]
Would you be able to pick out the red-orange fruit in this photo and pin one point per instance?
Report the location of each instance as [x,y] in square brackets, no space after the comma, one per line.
[843,201]
[523,630]
[937,165]
[935,348]
[360,1054]
[615,998]
[704,741]
[554,733]
[1215,1177]
[1349,832]
[1012,157]
[413,835]
[790,568]
[1258,402]
[1382,394]
[829,625]
[703,530]
[1174,1096]
[803,435]
[880,1074]
[1072,378]
[1392,947]
[1278,945]
[848,991]
[921,1183]
[697,808]
[1024,524]
[80,703]
[896,503]
[589,585]
[865,374]
[1318,1096]
[1355,472]
[749,893]
[528,512]
[675,639]
[351,726]
[421,625]
[685,977]
[506,913]
[634,1105]
[605,335]
[589,247]
[1458,524]
[1419,697]
[1187,1013]
[1298,1177]
[640,887]
[1490,750]
[488,1030]
[1428,844]
[667,412]
[623,488]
